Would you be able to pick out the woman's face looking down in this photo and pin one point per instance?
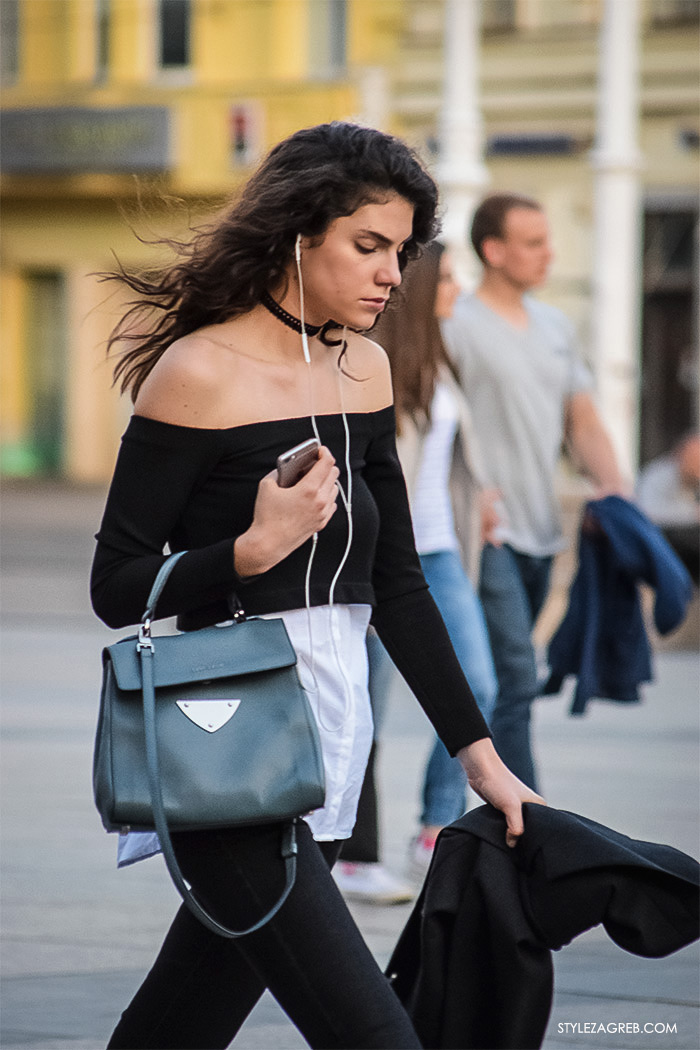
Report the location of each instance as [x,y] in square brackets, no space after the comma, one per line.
[447,288]
[349,274]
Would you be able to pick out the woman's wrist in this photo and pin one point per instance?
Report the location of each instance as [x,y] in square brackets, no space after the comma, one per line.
[251,555]
[478,756]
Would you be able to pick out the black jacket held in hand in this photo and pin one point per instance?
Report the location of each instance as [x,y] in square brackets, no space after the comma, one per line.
[473,965]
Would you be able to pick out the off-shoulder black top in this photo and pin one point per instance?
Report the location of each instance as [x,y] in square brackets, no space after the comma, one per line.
[194,489]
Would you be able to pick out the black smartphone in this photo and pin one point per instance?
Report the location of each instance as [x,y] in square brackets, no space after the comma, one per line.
[293,464]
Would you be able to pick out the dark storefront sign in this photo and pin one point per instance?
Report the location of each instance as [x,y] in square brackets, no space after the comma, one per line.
[544,145]
[77,141]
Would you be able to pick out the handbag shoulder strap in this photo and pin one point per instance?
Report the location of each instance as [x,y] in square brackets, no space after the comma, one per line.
[146,651]
[289,843]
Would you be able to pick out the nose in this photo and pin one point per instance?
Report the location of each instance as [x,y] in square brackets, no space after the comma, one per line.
[390,272]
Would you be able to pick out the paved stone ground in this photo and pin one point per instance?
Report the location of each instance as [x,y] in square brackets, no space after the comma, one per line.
[77,936]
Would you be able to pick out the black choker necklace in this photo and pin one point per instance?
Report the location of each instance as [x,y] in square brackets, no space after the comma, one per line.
[288,319]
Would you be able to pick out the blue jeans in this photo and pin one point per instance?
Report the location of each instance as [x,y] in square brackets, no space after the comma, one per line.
[445,781]
[513,589]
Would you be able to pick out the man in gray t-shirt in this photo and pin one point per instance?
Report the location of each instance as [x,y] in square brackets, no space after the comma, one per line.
[529,392]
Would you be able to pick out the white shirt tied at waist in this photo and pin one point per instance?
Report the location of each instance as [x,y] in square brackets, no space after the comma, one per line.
[431,506]
[466,477]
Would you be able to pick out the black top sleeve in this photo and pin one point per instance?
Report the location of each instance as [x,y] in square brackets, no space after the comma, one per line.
[405,615]
[158,469]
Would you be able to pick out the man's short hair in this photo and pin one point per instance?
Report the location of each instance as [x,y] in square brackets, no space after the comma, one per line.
[490,217]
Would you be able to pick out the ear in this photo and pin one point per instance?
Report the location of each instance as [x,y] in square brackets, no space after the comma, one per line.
[306,243]
[302,243]
[492,249]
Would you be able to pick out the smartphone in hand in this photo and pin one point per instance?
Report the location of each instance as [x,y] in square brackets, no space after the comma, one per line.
[293,464]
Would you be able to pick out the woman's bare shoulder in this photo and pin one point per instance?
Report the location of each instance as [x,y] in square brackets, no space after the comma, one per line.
[367,362]
[188,384]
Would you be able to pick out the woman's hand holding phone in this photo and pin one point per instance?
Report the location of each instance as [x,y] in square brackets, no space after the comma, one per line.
[284,518]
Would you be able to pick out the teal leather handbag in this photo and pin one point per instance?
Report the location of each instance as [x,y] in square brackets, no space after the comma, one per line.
[206,729]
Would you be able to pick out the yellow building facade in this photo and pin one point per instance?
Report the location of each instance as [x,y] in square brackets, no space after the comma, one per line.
[136,115]
[108,105]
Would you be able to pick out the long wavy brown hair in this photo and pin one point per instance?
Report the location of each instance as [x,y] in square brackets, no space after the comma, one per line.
[410,333]
[305,183]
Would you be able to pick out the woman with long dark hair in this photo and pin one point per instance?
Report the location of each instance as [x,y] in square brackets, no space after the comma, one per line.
[449,504]
[246,345]
[440,461]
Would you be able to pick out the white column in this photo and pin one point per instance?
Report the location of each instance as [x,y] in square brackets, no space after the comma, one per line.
[617,230]
[461,172]
[374,97]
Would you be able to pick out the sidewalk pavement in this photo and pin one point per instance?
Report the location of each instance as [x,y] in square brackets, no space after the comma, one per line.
[78,936]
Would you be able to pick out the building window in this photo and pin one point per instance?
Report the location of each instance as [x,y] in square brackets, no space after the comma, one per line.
[9,41]
[44,439]
[670,366]
[669,245]
[670,12]
[174,17]
[245,133]
[328,37]
[497,16]
[102,35]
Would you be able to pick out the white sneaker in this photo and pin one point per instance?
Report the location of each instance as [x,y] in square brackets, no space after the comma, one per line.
[370,883]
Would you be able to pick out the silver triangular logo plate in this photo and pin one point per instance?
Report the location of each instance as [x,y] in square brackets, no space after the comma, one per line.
[209,714]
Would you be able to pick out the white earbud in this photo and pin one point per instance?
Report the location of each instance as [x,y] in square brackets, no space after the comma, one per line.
[304,339]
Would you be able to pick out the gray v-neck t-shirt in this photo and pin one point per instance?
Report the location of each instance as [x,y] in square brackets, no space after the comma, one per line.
[518,382]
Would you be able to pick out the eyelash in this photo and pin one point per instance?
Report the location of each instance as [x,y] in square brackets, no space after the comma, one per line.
[370,251]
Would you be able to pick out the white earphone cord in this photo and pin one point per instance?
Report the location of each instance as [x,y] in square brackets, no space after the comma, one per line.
[347,502]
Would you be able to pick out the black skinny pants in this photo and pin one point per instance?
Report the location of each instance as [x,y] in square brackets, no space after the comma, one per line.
[363,845]
[311,956]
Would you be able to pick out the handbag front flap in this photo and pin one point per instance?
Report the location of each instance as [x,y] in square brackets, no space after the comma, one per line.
[213,652]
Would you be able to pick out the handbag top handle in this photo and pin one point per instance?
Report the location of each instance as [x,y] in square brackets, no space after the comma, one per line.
[144,640]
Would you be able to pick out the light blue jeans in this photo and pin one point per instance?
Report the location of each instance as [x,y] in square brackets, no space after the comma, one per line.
[444,781]
[444,785]
[513,588]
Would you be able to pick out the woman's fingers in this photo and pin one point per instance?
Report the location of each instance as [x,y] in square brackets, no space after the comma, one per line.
[494,783]
[513,811]
[514,824]
[324,470]
[321,485]
[309,505]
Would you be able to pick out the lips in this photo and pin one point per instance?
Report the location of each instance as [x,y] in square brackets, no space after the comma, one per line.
[378,304]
